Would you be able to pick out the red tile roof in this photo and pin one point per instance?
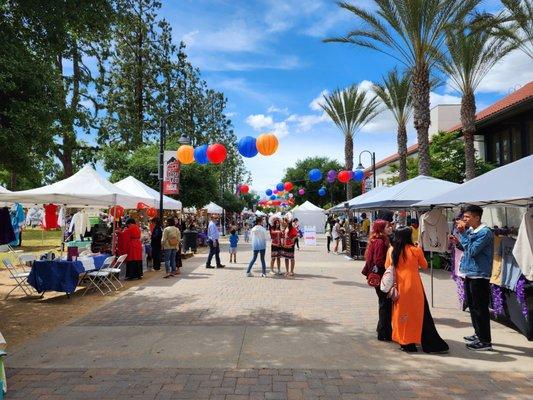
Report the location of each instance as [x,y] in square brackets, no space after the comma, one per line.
[515,98]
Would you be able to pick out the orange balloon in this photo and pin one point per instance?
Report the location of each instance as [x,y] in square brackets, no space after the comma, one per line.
[185,154]
[267,144]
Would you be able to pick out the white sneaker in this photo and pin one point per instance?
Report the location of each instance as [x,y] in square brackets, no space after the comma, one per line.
[249,274]
[279,273]
[272,273]
[263,275]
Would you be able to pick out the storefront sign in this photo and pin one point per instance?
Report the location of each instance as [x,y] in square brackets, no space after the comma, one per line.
[310,235]
[171,173]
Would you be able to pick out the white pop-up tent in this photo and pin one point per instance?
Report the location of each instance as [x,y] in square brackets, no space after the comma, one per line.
[357,200]
[4,190]
[213,208]
[310,215]
[136,187]
[86,188]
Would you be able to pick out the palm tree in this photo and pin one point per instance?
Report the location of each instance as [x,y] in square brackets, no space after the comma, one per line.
[471,55]
[520,14]
[412,32]
[350,109]
[395,94]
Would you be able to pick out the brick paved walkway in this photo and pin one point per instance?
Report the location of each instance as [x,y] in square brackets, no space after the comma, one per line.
[215,334]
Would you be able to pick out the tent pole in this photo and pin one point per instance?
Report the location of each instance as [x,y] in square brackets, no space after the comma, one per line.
[431,263]
[114,224]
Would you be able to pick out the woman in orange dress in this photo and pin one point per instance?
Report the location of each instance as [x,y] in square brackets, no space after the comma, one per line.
[412,322]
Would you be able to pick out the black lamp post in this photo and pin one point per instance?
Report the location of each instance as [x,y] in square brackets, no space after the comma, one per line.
[373,159]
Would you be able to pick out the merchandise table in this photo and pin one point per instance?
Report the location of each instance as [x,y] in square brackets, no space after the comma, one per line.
[60,275]
[81,245]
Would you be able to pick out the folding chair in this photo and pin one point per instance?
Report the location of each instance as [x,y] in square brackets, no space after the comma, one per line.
[99,279]
[20,277]
[116,269]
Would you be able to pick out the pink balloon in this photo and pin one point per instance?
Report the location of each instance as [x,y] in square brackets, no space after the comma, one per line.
[275,191]
[301,192]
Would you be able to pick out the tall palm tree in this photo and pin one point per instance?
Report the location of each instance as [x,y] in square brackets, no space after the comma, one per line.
[471,55]
[412,32]
[350,109]
[520,14]
[395,94]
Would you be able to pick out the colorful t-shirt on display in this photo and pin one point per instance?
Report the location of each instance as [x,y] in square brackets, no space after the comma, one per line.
[496,276]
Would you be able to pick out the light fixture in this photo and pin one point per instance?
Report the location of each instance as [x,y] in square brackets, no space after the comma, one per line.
[360,166]
[184,139]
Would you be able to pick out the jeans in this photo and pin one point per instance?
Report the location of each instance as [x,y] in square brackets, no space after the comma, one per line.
[214,250]
[170,260]
[263,264]
[478,298]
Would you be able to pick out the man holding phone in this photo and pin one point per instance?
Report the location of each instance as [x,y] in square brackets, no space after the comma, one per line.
[477,242]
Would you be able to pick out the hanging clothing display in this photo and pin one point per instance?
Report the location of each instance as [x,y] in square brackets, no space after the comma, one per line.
[496,276]
[7,234]
[510,270]
[523,248]
[61,217]
[79,224]
[434,231]
[50,217]
[18,217]
[35,216]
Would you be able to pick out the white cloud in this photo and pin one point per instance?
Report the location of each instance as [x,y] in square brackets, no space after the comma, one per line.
[317,101]
[259,121]
[304,123]
[435,99]
[242,88]
[273,109]
[510,73]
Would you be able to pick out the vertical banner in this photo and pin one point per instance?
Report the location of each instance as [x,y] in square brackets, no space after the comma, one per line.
[367,183]
[171,173]
[310,235]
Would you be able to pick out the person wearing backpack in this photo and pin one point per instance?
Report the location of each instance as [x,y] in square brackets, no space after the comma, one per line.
[170,242]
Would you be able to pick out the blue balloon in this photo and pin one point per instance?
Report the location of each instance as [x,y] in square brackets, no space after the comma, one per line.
[358,175]
[200,154]
[273,197]
[280,187]
[268,192]
[315,175]
[247,146]
[322,192]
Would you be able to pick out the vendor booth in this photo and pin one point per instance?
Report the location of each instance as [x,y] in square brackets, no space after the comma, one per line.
[135,187]
[507,186]
[213,208]
[310,215]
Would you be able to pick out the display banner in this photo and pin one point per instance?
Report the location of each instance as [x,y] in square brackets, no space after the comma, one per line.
[171,173]
[310,235]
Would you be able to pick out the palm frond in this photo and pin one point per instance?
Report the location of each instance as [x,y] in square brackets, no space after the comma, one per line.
[395,93]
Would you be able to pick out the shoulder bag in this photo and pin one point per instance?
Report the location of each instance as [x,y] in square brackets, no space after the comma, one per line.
[388,283]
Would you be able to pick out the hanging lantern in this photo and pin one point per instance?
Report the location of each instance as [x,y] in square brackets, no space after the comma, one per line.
[216,153]
[200,154]
[151,212]
[358,175]
[332,174]
[185,154]
[301,192]
[116,211]
[244,189]
[267,144]
[279,186]
[142,206]
[288,186]
[322,191]
[247,146]
[268,192]
[344,176]
[273,197]
[315,175]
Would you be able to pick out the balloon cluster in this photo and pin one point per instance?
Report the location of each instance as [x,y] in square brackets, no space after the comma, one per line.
[215,153]
[280,196]
[344,176]
[265,144]
[151,212]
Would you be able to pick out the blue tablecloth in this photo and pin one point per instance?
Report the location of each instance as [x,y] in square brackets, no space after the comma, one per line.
[59,276]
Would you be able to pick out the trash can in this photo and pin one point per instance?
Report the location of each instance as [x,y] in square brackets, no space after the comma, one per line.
[190,240]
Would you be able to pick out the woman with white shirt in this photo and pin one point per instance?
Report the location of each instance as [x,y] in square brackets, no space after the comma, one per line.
[259,238]
[336,235]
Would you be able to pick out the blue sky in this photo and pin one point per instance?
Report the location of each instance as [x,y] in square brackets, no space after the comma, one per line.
[268,58]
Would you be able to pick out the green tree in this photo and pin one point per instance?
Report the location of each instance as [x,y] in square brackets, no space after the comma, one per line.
[471,55]
[520,14]
[412,32]
[447,160]
[350,109]
[298,175]
[395,93]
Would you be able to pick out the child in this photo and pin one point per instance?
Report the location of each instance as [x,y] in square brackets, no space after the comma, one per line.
[233,240]
[246,232]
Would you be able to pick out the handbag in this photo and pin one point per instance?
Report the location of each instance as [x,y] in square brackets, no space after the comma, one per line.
[388,284]
[373,279]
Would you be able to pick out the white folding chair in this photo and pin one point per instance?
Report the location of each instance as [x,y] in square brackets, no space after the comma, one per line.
[116,269]
[100,278]
[20,278]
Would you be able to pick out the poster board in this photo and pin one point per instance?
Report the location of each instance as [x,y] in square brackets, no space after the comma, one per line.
[171,173]
[310,235]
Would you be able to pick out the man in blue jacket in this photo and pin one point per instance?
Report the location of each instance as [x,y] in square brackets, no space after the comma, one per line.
[477,242]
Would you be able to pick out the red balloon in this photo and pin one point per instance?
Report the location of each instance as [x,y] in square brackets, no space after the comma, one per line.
[244,189]
[151,212]
[116,211]
[288,186]
[216,153]
[344,176]
[142,206]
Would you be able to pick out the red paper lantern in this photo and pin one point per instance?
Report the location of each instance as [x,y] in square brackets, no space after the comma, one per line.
[244,189]
[288,186]
[142,206]
[116,211]
[216,153]
[344,176]
[151,212]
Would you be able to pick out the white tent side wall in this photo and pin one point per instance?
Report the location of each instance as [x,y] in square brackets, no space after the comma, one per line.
[311,218]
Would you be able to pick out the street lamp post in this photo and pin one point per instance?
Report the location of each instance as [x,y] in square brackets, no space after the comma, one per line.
[373,160]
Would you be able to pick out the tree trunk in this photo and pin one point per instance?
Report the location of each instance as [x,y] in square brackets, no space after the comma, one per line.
[468,120]
[402,151]
[348,162]
[421,114]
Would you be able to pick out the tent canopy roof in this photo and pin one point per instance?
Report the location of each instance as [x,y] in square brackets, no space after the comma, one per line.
[135,187]
[4,190]
[405,194]
[506,185]
[86,188]
[308,206]
[363,197]
[213,208]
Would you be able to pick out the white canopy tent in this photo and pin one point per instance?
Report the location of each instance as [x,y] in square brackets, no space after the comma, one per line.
[310,215]
[4,190]
[86,188]
[136,187]
[213,208]
[405,194]
[510,185]
[356,200]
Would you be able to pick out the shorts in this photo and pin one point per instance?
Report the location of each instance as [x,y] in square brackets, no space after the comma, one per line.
[275,251]
[233,250]
[288,253]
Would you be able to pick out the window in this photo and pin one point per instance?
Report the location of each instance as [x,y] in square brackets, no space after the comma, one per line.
[516,143]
